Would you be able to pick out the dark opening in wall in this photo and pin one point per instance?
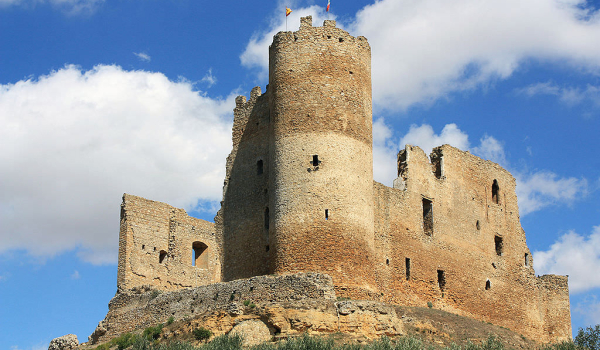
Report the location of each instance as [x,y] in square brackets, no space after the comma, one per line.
[407,269]
[122,212]
[488,285]
[387,262]
[266,218]
[200,255]
[441,278]
[526,259]
[495,192]
[326,214]
[161,256]
[143,246]
[315,161]
[267,248]
[477,225]
[259,167]
[427,217]
[499,245]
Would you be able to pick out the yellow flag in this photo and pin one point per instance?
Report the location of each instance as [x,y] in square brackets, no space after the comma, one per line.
[287,11]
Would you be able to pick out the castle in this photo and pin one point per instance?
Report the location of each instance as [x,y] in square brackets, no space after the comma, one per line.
[299,195]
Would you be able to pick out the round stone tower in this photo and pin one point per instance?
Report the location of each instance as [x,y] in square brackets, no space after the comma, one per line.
[321,181]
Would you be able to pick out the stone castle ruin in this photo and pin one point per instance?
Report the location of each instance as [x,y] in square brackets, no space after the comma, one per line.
[299,196]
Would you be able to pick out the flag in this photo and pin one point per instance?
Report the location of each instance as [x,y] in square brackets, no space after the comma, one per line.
[288,11]
[328,3]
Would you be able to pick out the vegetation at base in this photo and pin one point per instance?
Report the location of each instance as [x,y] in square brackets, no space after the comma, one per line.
[246,302]
[586,339]
[429,304]
[152,333]
[170,320]
[202,333]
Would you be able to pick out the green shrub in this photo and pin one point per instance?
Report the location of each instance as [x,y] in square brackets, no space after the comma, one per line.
[202,333]
[565,345]
[124,341]
[429,304]
[170,320]
[246,302]
[252,305]
[224,342]
[152,333]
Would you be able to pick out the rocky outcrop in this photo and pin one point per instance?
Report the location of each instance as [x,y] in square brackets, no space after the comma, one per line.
[66,342]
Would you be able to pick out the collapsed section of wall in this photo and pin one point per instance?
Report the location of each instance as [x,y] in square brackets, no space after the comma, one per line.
[163,247]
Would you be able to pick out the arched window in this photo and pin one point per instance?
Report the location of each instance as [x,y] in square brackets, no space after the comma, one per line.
[495,192]
[161,256]
[488,285]
[200,255]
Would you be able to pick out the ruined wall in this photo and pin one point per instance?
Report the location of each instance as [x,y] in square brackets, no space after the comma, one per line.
[243,220]
[163,247]
[321,149]
[449,233]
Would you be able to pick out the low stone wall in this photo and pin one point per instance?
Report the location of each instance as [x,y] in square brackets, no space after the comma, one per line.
[142,307]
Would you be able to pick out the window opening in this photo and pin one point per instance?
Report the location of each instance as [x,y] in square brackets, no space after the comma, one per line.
[315,161]
[441,278]
[267,248]
[526,259]
[495,192]
[326,214]
[499,245]
[161,256]
[477,225]
[427,217]
[387,262]
[143,246]
[407,269]
[200,255]
[488,285]
[259,167]
[266,218]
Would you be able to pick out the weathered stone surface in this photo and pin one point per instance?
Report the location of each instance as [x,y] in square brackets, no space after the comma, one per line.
[66,342]
[253,332]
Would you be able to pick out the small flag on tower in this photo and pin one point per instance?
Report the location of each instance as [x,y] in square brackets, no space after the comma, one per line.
[328,4]
[287,11]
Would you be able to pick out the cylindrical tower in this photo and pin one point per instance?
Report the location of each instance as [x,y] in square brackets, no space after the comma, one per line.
[321,188]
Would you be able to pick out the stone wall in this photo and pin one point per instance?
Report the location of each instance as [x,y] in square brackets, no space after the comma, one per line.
[162,246]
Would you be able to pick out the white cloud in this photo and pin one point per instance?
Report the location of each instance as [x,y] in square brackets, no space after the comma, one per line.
[75,275]
[543,188]
[384,153]
[424,137]
[256,54]
[73,142]
[573,255]
[589,308]
[69,6]
[426,49]
[491,149]
[209,78]
[568,95]
[143,56]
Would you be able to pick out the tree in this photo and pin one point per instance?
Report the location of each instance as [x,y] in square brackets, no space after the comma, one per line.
[588,339]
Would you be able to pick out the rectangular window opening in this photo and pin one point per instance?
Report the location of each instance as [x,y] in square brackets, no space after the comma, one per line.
[407,269]
[315,161]
[427,217]
[259,167]
[266,218]
[499,245]
[326,214]
[441,279]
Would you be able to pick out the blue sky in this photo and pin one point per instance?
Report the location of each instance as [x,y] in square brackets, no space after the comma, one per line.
[102,97]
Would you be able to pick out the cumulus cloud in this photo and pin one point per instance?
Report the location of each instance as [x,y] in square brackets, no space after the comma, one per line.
[589,308]
[543,188]
[426,49]
[143,56]
[491,149]
[384,153]
[573,255]
[75,275]
[73,142]
[568,95]
[256,54]
[424,137]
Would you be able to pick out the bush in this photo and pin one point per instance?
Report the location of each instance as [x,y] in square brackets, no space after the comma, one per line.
[589,338]
[224,342]
[152,333]
[252,305]
[170,321]
[429,304]
[246,302]
[202,333]
[124,341]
